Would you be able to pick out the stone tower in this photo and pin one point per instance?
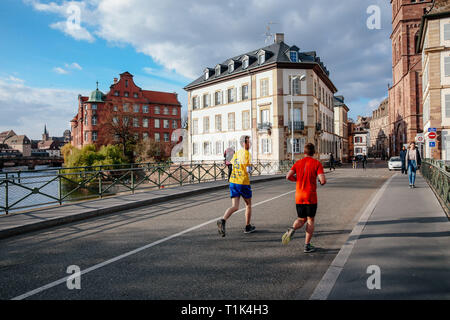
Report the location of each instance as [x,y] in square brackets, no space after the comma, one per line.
[405,95]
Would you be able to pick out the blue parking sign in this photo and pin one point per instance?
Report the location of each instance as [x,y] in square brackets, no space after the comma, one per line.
[432,130]
[432,144]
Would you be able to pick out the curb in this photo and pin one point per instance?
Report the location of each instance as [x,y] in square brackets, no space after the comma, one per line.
[105,211]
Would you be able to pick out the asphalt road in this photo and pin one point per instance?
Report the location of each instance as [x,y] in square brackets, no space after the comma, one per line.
[180,254]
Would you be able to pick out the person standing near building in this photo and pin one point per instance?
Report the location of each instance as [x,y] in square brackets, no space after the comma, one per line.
[354,163]
[228,155]
[413,162]
[364,162]
[332,162]
[403,159]
[240,187]
[305,173]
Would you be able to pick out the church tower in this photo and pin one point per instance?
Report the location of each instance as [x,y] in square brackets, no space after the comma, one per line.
[405,94]
[45,136]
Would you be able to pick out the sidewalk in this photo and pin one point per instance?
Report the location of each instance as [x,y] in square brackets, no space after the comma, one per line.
[19,223]
[407,235]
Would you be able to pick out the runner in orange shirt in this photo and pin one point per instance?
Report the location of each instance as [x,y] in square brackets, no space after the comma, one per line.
[305,172]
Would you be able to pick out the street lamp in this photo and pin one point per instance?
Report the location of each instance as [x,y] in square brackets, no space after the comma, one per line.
[301,78]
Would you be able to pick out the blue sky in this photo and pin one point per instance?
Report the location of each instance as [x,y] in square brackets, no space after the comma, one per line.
[43,66]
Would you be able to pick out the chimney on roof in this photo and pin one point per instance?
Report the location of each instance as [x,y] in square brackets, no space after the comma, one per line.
[115,80]
[279,37]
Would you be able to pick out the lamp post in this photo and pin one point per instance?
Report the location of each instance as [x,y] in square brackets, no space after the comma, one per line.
[301,78]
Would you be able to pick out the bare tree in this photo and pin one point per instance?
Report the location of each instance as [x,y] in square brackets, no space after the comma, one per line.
[119,129]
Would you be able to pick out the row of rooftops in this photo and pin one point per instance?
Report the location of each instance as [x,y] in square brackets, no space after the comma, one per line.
[278,52]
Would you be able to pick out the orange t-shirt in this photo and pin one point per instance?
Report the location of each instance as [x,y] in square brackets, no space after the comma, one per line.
[307,171]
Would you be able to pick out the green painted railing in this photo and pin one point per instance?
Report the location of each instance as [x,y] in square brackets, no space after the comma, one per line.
[437,173]
[29,189]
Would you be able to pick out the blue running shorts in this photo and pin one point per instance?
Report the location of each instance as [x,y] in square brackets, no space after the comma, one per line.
[237,190]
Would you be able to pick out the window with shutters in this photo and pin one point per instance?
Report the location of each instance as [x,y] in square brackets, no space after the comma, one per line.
[447,106]
[206,100]
[195,126]
[218,98]
[206,125]
[245,120]
[266,146]
[447,66]
[218,122]
[447,32]
[231,95]
[231,122]
[219,147]
[245,92]
[264,87]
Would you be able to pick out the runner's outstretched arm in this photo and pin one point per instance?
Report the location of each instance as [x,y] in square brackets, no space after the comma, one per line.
[322,179]
[291,176]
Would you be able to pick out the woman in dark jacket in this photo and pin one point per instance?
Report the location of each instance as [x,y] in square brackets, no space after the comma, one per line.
[403,158]
[413,162]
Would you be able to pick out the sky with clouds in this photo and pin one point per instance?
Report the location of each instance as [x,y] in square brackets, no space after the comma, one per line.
[54,50]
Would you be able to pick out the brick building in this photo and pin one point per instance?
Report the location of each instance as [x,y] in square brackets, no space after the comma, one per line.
[149,114]
[405,95]
[434,45]
[379,128]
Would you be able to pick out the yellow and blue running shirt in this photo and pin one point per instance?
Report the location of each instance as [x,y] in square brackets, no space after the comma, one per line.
[241,160]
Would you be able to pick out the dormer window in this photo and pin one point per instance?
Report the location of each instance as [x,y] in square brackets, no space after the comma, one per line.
[116,93]
[245,63]
[206,74]
[135,95]
[293,55]
[261,57]
[217,71]
[231,67]
[125,94]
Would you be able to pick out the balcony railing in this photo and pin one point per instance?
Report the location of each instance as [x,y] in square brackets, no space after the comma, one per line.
[264,126]
[298,125]
[318,126]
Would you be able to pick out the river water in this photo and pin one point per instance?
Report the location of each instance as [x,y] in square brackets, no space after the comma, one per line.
[22,182]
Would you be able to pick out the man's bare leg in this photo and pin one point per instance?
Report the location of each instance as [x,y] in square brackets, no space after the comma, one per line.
[248,211]
[233,209]
[309,230]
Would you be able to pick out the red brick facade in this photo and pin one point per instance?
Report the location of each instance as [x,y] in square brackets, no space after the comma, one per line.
[405,95]
[152,114]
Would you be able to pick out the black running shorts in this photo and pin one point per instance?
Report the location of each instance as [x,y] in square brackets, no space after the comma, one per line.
[306,210]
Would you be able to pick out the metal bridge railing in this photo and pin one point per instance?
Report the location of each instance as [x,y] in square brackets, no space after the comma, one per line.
[437,173]
[30,189]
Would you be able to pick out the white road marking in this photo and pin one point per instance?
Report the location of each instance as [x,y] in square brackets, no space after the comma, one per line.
[105,263]
[325,285]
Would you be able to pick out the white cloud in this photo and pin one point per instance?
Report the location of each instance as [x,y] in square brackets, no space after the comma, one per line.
[73,65]
[60,70]
[185,38]
[56,107]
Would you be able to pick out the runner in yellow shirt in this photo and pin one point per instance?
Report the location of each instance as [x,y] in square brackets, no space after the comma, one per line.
[240,186]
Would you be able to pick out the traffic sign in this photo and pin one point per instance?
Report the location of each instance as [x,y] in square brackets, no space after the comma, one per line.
[432,144]
[420,138]
[432,135]
[432,130]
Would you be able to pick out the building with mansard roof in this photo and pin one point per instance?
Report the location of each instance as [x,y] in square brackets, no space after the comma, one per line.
[251,93]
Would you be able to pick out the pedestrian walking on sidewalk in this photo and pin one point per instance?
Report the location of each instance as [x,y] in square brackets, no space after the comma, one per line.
[240,187]
[403,159]
[332,162]
[413,162]
[305,172]
[364,162]
[228,155]
[354,162]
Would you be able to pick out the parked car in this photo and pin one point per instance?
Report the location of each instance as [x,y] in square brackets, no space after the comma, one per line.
[395,163]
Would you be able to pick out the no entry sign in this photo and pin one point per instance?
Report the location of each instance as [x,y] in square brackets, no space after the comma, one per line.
[432,135]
